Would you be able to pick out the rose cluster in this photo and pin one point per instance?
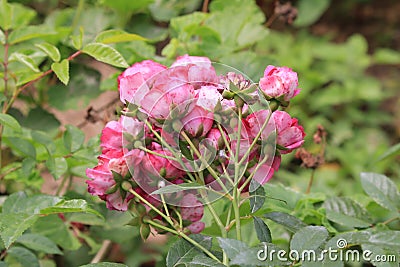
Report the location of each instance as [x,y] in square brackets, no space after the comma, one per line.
[186,124]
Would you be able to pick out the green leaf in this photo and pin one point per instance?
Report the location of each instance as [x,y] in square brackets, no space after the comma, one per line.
[24,256]
[73,205]
[232,247]
[308,238]
[29,32]
[127,6]
[202,260]
[20,203]
[28,164]
[117,36]
[2,37]
[386,239]
[386,56]
[182,252]
[242,255]
[39,119]
[15,15]
[61,70]
[257,199]
[392,256]
[309,11]
[173,188]
[73,138]
[50,50]
[6,15]
[21,146]
[262,230]
[45,140]
[394,150]
[347,212]
[24,59]
[56,230]
[83,87]
[104,264]
[350,238]
[382,190]
[9,121]
[39,243]
[289,221]
[106,54]
[12,225]
[57,166]
[77,39]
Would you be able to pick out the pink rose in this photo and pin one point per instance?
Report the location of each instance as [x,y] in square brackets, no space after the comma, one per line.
[198,122]
[255,121]
[267,170]
[196,227]
[133,77]
[101,180]
[191,208]
[112,134]
[290,134]
[208,97]
[200,70]
[279,81]
[170,93]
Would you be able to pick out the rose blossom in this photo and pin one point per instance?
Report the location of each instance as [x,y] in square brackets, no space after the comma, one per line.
[198,122]
[279,81]
[290,134]
[267,170]
[133,77]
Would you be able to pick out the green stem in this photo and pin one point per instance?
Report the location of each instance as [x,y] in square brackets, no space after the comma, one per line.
[157,154]
[236,193]
[255,140]
[78,12]
[235,205]
[5,78]
[186,237]
[168,219]
[239,134]
[211,170]
[253,173]
[164,143]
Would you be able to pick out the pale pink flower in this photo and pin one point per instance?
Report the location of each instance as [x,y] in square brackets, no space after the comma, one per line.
[136,75]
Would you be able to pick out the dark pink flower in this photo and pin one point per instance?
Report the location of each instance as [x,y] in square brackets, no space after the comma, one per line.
[101,180]
[279,81]
[196,227]
[290,134]
[133,77]
[191,208]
